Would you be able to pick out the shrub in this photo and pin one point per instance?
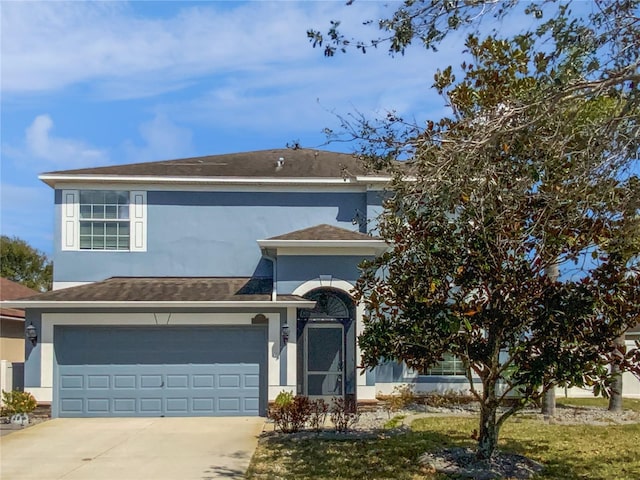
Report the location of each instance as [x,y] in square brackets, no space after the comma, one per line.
[447,398]
[289,413]
[319,410]
[284,399]
[401,397]
[344,415]
[17,401]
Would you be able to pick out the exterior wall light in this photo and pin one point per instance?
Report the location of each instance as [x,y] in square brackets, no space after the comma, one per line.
[285,333]
[32,334]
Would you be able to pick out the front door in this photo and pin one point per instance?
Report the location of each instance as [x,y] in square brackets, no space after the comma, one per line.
[324,360]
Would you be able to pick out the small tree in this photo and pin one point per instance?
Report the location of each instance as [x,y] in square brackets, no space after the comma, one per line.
[534,168]
[24,264]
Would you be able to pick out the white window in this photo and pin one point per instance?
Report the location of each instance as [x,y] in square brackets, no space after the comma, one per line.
[450,365]
[104,220]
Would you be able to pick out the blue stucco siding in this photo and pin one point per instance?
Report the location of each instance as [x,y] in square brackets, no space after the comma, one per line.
[208,233]
[293,271]
[374,209]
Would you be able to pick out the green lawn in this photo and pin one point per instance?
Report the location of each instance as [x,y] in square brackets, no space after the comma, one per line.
[627,403]
[568,451]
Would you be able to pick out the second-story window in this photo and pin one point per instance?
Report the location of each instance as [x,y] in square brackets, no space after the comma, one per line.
[104,220]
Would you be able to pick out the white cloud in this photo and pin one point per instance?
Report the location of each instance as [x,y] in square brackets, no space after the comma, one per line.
[163,139]
[58,151]
[52,45]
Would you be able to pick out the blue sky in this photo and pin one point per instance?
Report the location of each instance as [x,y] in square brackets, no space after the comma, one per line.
[89,84]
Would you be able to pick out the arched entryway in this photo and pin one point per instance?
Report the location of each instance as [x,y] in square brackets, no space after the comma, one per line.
[326,348]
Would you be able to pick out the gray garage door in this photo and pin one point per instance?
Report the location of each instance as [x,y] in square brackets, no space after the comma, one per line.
[160,371]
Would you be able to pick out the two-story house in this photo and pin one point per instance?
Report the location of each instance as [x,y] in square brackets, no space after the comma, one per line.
[206,286]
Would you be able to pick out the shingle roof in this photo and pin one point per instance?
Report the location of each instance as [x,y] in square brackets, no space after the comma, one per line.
[168,289]
[277,163]
[10,290]
[324,232]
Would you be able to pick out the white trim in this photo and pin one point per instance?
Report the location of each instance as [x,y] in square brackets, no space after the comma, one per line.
[329,251]
[317,188]
[63,285]
[361,380]
[70,220]
[323,243]
[273,360]
[374,178]
[138,221]
[381,179]
[41,394]
[151,304]
[309,285]
[292,347]
[52,179]
[364,392]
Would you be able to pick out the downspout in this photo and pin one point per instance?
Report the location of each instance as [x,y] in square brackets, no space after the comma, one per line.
[274,262]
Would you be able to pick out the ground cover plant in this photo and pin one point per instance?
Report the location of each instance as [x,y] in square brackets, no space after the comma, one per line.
[567,451]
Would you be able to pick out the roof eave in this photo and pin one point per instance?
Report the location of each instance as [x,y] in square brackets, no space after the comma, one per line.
[53,179]
[33,304]
[377,244]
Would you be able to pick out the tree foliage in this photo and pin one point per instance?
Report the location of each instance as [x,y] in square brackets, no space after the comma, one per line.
[24,264]
[535,169]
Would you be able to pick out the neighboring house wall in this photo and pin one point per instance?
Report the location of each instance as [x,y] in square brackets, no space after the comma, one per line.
[12,334]
[12,340]
[199,233]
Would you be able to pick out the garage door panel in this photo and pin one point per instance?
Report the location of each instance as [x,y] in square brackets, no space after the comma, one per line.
[139,389]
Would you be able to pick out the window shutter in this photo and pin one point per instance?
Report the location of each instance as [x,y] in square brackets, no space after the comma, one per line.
[70,221]
[138,212]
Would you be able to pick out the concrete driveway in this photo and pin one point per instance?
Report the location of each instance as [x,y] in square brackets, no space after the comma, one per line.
[131,449]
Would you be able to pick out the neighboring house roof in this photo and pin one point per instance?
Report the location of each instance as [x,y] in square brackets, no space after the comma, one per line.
[158,291]
[324,232]
[10,290]
[274,165]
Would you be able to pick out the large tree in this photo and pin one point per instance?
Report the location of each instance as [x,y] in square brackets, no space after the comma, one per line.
[24,264]
[535,170]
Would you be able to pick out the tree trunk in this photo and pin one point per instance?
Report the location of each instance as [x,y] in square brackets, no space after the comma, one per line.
[549,402]
[549,398]
[615,400]
[488,438]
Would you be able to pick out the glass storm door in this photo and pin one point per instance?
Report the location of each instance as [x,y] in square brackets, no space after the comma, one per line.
[324,361]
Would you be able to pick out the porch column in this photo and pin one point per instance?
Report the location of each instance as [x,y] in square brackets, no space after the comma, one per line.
[292,350]
[275,356]
[364,390]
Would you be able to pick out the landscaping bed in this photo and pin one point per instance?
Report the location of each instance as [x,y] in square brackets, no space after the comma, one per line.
[42,413]
[582,441]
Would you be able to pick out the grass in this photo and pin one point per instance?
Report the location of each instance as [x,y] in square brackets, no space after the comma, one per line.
[627,403]
[567,451]
[395,421]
